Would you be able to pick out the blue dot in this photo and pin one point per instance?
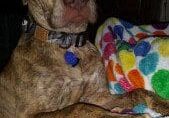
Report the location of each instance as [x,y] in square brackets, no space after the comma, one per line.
[118,89]
[118,30]
[149,64]
[142,48]
[71,58]
[140,108]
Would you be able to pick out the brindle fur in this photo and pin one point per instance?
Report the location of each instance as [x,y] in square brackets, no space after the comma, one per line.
[38,80]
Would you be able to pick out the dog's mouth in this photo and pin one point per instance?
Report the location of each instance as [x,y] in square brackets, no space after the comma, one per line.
[79,13]
[79,19]
[71,20]
[76,16]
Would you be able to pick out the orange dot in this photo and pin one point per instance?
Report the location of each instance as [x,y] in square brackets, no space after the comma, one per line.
[141,35]
[110,71]
[159,33]
[136,79]
[118,69]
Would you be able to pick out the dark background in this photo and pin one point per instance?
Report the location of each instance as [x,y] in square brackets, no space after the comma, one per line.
[11,15]
[135,11]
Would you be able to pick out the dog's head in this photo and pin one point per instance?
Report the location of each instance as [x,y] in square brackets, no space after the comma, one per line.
[63,15]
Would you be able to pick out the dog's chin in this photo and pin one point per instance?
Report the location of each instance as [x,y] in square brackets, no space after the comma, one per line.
[69,24]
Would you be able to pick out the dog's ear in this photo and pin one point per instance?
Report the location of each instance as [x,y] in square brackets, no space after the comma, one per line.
[25,2]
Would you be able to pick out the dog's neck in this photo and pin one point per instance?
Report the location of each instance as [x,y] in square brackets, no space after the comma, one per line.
[64,40]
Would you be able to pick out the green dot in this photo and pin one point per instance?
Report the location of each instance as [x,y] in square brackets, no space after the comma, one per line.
[160,83]
[121,45]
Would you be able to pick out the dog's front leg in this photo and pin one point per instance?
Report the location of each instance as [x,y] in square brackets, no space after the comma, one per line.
[118,103]
[97,93]
[96,87]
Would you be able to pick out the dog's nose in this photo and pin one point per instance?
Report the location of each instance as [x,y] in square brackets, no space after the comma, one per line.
[77,4]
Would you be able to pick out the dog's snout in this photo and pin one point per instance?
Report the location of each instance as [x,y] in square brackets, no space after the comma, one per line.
[77,4]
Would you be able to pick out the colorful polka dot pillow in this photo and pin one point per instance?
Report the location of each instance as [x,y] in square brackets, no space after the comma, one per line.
[135,56]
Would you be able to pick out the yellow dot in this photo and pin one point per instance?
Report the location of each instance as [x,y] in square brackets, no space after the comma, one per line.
[164,47]
[127,60]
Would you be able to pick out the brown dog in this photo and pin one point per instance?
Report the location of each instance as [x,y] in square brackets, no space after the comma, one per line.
[37,78]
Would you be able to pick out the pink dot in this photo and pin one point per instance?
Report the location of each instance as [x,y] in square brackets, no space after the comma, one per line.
[108,37]
[125,84]
[132,41]
[109,50]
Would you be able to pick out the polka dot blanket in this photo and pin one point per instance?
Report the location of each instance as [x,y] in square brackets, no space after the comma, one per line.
[135,56]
